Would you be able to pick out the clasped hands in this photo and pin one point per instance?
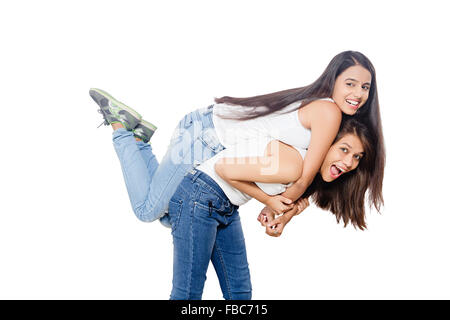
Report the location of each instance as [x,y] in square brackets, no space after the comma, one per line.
[276,220]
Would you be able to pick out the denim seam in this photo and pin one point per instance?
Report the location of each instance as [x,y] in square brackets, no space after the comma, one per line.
[212,190]
[219,252]
[178,214]
[216,148]
[202,206]
[191,230]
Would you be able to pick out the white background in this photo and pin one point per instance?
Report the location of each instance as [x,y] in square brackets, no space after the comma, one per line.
[67,230]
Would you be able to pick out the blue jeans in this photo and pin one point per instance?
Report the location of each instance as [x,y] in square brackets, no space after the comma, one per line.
[150,185]
[206,226]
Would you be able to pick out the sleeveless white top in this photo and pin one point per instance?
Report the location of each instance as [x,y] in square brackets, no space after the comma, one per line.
[249,138]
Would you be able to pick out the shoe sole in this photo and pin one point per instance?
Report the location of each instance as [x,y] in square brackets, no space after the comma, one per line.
[148,125]
[120,104]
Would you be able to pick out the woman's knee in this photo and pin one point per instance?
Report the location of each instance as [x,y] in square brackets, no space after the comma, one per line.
[147,212]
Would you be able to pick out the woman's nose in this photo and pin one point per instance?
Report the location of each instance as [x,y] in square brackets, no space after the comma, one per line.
[357,93]
[348,161]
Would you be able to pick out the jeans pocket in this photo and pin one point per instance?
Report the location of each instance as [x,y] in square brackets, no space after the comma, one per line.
[175,212]
[210,140]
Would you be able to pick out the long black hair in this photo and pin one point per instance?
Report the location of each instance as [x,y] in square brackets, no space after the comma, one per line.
[345,197]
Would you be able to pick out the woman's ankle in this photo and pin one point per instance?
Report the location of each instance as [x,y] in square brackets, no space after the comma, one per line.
[117,125]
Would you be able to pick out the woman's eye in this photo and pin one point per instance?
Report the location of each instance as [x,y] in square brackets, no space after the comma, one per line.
[344,150]
[366,88]
[357,157]
[350,84]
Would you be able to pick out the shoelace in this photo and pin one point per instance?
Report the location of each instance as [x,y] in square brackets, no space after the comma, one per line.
[104,118]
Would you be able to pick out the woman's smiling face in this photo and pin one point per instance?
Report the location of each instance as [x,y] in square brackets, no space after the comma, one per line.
[343,156]
[351,89]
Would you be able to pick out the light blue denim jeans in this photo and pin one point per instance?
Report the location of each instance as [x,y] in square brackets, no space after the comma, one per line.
[150,184]
[206,226]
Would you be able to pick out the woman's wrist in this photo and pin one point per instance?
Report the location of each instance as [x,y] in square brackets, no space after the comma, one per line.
[265,199]
[290,214]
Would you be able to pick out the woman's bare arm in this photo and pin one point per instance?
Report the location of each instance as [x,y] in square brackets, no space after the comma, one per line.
[324,119]
[280,164]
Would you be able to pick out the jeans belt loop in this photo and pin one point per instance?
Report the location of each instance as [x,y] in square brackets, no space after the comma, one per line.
[194,173]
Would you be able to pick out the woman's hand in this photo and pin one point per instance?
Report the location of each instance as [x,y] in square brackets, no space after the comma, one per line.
[275,227]
[302,204]
[279,204]
[266,215]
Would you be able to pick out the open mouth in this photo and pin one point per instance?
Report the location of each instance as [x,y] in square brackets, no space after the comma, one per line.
[336,172]
[353,104]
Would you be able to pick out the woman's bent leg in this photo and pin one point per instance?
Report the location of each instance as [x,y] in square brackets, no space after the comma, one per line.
[193,142]
[134,167]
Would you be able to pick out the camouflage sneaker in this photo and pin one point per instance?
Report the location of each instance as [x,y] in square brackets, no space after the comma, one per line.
[114,111]
[144,130]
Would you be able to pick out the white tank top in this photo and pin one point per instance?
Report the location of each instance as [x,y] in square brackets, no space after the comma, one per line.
[249,138]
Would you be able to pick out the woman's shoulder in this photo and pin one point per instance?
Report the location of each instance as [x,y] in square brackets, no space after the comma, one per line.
[325,105]
[323,109]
